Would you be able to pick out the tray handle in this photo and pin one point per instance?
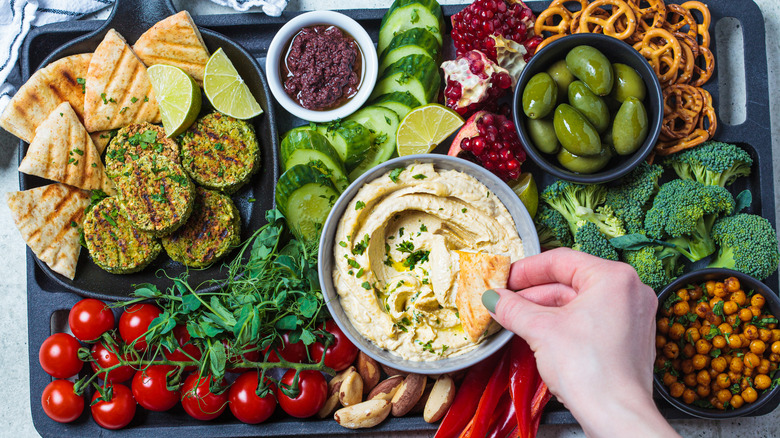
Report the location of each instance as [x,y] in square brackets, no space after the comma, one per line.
[137,16]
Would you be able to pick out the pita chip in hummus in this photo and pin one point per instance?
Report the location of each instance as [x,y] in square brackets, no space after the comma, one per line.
[49,218]
[62,151]
[61,81]
[478,273]
[174,41]
[118,90]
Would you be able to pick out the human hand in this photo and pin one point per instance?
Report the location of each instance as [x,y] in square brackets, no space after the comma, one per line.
[591,325]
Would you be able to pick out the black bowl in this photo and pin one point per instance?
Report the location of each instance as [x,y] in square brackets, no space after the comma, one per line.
[616,51]
[748,283]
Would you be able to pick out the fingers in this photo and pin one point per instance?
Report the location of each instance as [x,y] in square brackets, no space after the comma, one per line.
[561,265]
[518,314]
[549,295]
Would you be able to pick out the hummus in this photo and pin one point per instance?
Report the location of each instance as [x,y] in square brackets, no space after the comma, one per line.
[396,265]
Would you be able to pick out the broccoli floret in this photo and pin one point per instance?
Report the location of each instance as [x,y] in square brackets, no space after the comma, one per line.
[713,163]
[552,228]
[577,202]
[589,239]
[630,197]
[683,214]
[656,265]
[748,244]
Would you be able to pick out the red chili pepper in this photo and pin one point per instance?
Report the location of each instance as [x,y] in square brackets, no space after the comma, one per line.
[523,383]
[504,421]
[542,396]
[496,387]
[467,398]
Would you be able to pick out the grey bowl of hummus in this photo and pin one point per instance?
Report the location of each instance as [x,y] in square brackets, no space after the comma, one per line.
[388,258]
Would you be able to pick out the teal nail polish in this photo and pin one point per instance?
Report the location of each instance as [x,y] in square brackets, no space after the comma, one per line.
[490,299]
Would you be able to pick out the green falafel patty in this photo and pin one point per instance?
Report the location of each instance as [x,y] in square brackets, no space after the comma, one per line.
[155,194]
[114,243]
[220,152]
[136,140]
[213,229]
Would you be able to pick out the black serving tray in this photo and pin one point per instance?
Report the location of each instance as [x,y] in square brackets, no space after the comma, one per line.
[47,301]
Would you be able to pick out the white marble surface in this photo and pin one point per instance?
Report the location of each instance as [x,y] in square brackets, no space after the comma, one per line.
[15,419]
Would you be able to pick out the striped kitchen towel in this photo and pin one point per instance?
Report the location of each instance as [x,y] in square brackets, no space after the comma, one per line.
[16,19]
[273,8]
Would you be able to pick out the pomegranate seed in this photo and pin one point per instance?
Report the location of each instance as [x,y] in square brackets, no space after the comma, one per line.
[512,165]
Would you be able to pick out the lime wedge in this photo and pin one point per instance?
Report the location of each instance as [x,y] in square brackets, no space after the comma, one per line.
[526,190]
[178,96]
[425,127]
[225,89]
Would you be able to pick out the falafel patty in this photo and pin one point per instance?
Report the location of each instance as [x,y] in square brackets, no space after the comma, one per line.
[213,229]
[114,243]
[155,194]
[136,140]
[220,152]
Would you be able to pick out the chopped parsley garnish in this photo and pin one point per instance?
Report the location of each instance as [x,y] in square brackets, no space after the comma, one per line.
[109,219]
[423,228]
[122,111]
[407,247]
[366,285]
[443,349]
[416,257]
[146,98]
[78,151]
[353,263]
[359,205]
[419,176]
[401,232]
[395,173]
[464,209]
[133,99]
[361,246]
[359,272]
[94,164]
[219,147]
[343,244]
[83,83]
[73,224]
[103,96]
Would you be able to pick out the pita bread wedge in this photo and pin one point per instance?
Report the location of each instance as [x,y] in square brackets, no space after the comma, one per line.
[47,88]
[118,89]
[62,151]
[49,218]
[100,139]
[478,273]
[174,41]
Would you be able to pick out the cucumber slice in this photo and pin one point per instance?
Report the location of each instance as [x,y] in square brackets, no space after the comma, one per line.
[397,101]
[350,140]
[408,14]
[383,123]
[417,74]
[415,41]
[304,146]
[305,196]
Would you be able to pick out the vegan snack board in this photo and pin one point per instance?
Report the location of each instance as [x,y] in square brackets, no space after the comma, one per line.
[254,32]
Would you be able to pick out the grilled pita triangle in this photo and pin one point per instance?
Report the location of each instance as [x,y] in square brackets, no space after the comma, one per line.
[100,139]
[49,219]
[478,273]
[62,151]
[174,41]
[118,89]
[47,88]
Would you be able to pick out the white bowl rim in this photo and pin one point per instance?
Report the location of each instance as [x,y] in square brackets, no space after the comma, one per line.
[447,365]
[352,27]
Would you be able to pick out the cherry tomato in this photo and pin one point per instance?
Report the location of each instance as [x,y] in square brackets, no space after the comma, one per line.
[150,388]
[106,359]
[59,356]
[134,323]
[186,351]
[251,356]
[295,353]
[89,319]
[60,403]
[244,402]
[200,402]
[340,354]
[313,392]
[117,412]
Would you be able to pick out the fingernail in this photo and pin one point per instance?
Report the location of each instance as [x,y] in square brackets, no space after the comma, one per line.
[490,299]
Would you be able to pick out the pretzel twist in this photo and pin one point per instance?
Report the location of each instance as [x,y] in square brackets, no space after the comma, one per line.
[702,28]
[703,74]
[546,21]
[697,137]
[619,10]
[682,106]
[678,19]
[658,44]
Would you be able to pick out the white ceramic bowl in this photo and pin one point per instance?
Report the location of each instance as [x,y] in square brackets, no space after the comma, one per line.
[285,34]
[523,223]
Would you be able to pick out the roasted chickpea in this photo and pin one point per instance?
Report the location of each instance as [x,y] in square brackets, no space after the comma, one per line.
[683,294]
[762,381]
[668,378]
[701,309]
[751,360]
[703,391]
[662,325]
[719,364]
[666,311]
[723,395]
[703,346]
[725,328]
[758,346]
[722,380]
[765,335]
[692,335]
[700,361]
[737,401]
[734,377]
[720,291]
[681,308]
[749,395]
[710,287]
[660,360]
[713,319]
[775,335]
[734,341]
[755,310]
[695,324]
[730,307]
[676,389]
[690,380]
[719,342]
[704,330]
[660,341]
[732,319]
[688,350]
[703,377]
[714,301]
[751,332]
[775,347]
[774,358]
[689,396]
[748,372]
[732,284]
[686,366]
[744,382]
[671,350]
[718,405]
[745,315]
[676,331]
[736,365]
[763,366]
[745,341]
[757,300]
[695,293]
[739,297]
[676,364]
[713,373]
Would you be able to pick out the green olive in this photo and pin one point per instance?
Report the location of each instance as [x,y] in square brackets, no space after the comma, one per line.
[584,164]
[562,77]
[606,138]
[539,96]
[591,66]
[591,106]
[628,83]
[542,133]
[629,129]
[575,132]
